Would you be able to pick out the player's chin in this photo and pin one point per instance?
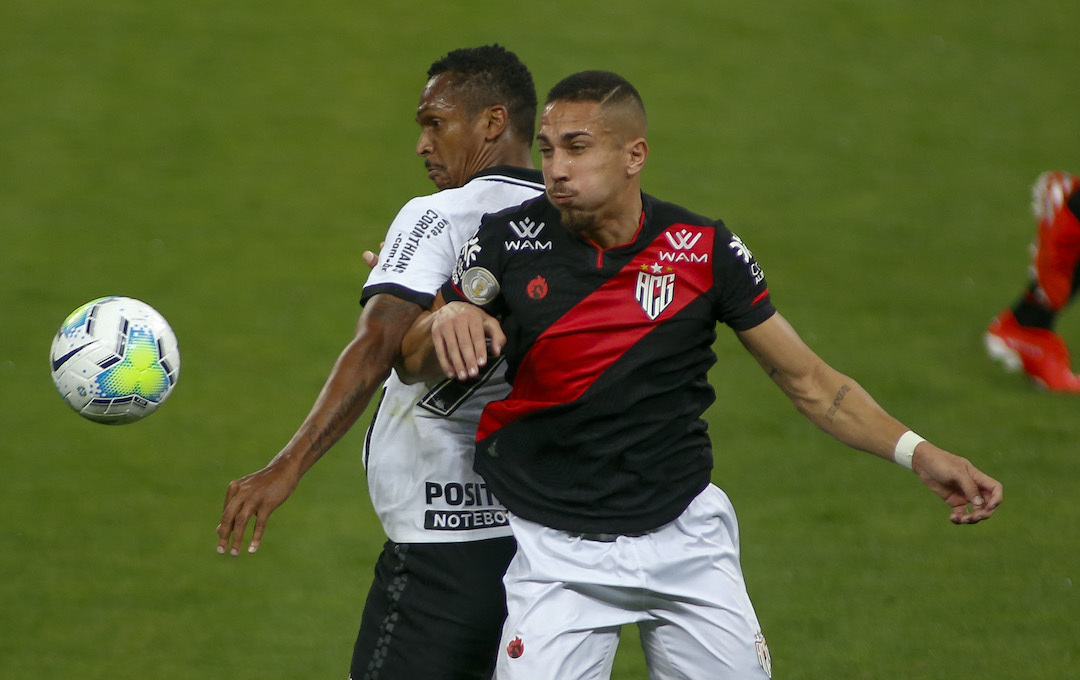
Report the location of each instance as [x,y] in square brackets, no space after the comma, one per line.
[440,178]
[576,219]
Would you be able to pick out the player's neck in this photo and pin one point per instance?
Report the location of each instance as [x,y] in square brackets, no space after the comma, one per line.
[618,225]
[514,154]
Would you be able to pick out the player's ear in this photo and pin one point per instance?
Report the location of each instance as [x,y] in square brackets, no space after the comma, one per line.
[637,151]
[496,120]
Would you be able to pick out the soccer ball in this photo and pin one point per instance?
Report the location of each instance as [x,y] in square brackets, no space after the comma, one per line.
[115,360]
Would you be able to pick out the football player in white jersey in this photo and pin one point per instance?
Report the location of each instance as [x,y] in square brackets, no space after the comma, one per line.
[436,605]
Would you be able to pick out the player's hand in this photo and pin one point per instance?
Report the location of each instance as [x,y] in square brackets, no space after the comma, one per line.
[972,494]
[256,495]
[460,332]
[372,259]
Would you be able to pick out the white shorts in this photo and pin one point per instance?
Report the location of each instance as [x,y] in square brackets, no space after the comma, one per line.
[568,596]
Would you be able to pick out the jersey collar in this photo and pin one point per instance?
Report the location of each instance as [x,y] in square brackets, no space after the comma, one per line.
[513,171]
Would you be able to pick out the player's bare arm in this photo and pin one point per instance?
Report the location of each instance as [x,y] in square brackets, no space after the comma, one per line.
[359,370]
[418,362]
[831,400]
[839,406]
[457,335]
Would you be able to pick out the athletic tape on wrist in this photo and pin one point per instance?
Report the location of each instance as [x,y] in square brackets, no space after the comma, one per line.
[905,448]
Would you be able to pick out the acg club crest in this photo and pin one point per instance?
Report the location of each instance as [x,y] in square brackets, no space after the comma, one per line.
[655,289]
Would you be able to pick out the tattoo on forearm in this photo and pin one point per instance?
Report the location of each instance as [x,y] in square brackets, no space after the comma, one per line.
[837,400]
[322,440]
[773,372]
[383,323]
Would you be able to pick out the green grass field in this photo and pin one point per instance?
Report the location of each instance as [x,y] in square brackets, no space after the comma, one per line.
[229,162]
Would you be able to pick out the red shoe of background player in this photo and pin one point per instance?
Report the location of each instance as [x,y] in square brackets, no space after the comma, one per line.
[1057,245]
[1039,352]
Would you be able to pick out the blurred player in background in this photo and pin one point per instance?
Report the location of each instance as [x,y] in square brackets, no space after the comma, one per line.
[436,604]
[608,300]
[1023,336]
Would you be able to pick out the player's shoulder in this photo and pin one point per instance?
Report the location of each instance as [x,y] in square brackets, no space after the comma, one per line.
[507,176]
[536,205]
[500,186]
[684,228]
[488,190]
[666,214]
[532,211]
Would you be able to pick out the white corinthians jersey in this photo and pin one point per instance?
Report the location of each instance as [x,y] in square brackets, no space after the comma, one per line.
[419,448]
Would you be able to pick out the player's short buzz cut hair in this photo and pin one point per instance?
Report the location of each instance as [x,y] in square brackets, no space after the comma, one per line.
[490,75]
[604,87]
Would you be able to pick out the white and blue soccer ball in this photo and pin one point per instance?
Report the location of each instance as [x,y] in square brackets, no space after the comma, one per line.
[115,360]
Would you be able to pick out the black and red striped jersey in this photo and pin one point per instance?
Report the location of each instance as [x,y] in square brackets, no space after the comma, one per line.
[608,353]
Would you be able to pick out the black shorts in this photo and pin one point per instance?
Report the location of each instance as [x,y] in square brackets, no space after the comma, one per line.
[434,612]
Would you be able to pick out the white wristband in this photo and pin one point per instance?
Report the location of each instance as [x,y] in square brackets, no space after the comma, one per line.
[905,448]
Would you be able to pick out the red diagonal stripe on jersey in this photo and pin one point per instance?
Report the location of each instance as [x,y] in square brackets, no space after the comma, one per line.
[571,354]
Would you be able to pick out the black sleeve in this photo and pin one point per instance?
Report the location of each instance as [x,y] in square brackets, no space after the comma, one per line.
[742,293]
[476,276]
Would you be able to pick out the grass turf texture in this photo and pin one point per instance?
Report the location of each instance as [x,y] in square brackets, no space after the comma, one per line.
[229,163]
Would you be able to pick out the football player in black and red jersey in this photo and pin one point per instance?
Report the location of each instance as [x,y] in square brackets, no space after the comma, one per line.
[604,301]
